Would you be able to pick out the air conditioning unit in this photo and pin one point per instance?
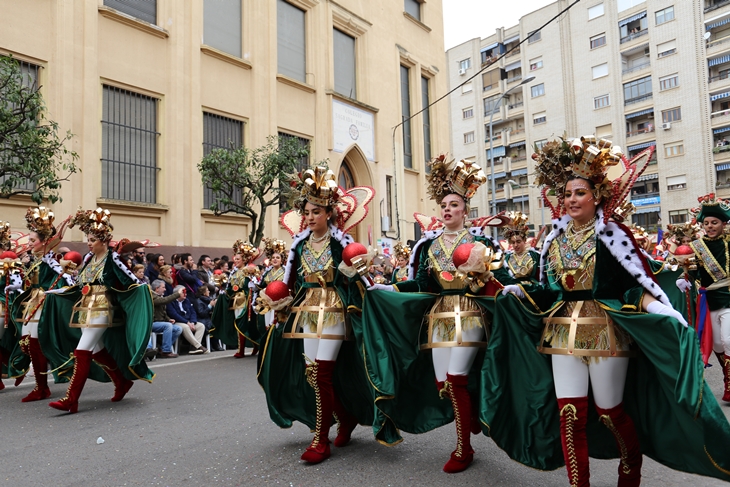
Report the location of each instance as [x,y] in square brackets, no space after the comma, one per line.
[666,126]
[462,71]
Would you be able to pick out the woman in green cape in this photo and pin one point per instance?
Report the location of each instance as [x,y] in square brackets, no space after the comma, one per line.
[598,302]
[522,262]
[402,254]
[275,251]
[317,327]
[232,314]
[107,315]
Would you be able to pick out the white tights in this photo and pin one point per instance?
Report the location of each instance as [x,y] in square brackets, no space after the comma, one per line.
[607,378]
[455,360]
[91,338]
[324,349]
[721,330]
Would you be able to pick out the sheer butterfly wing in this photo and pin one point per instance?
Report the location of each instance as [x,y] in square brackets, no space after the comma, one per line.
[357,200]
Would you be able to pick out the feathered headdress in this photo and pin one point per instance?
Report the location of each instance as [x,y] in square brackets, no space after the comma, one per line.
[94,222]
[402,251]
[318,186]
[710,205]
[678,232]
[247,251]
[600,162]
[4,235]
[272,246]
[40,220]
[446,177]
[516,226]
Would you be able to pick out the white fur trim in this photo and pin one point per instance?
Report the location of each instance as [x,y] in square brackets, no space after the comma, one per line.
[124,268]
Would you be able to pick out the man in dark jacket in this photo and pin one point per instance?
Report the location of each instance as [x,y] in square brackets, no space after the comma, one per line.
[183,312]
[187,277]
[161,322]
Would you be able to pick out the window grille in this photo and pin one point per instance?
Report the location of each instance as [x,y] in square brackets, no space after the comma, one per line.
[220,133]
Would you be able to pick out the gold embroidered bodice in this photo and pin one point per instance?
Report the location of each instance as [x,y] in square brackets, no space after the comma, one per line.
[317,266]
[521,265]
[274,275]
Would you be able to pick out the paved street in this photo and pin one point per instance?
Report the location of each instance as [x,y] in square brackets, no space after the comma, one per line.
[204,422]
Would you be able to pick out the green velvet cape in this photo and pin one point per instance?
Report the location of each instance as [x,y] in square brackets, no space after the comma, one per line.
[225,324]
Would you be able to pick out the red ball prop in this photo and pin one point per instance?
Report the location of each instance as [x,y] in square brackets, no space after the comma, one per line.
[461,254]
[217,272]
[277,290]
[352,251]
[8,255]
[684,250]
[74,257]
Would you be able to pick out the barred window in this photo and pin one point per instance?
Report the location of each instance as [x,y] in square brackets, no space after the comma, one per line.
[598,41]
[220,133]
[129,146]
[145,10]
[301,166]
[467,112]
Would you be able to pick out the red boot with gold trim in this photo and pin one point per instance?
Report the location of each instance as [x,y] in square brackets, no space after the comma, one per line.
[724,360]
[70,401]
[573,421]
[122,385]
[241,346]
[462,457]
[620,424]
[319,376]
[40,366]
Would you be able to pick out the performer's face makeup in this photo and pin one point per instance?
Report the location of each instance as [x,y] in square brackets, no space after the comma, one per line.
[276,261]
[518,244]
[402,262]
[36,244]
[580,202]
[316,218]
[712,226]
[453,210]
[96,246]
[238,261]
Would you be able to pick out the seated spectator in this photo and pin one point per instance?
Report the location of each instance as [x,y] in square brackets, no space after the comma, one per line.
[138,271]
[154,262]
[126,258]
[166,277]
[204,310]
[182,311]
[162,323]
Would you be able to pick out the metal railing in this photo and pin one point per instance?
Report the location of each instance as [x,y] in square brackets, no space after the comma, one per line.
[634,133]
[644,196]
[513,53]
[514,79]
[517,132]
[717,42]
[633,36]
[720,113]
[716,5]
[636,68]
[518,158]
[721,76]
[638,99]
[720,148]
[515,105]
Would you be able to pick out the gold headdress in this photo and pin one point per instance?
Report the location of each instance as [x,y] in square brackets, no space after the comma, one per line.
[4,235]
[462,178]
[317,186]
[516,226]
[678,232]
[272,247]
[247,251]
[600,162]
[401,250]
[94,222]
[40,220]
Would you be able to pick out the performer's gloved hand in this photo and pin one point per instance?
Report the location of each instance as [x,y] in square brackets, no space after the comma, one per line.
[683,284]
[382,287]
[12,287]
[514,289]
[655,307]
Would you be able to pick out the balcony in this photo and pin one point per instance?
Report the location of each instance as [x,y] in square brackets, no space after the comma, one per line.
[517,135]
[716,46]
[636,68]
[720,118]
[633,36]
[721,153]
[638,99]
[514,79]
[639,132]
[516,52]
[515,109]
[715,4]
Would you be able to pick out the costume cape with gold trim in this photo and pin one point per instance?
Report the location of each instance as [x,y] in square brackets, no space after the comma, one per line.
[126,344]
[225,324]
[677,418]
[281,373]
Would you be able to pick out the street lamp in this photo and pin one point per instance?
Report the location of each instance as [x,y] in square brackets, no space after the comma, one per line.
[514,183]
[491,147]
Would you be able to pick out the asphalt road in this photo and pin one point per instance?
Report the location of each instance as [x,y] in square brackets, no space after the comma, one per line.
[204,422]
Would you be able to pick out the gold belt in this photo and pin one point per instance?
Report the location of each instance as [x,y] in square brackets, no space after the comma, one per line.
[96,301]
[321,309]
[456,314]
[573,321]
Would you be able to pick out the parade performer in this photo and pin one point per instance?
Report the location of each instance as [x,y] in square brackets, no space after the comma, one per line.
[10,282]
[713,273]
[324,296]
[521,262]
[232,319]
[43,273]
[457,326]
[598,301]
[402,253]
[276,251]
[102,322]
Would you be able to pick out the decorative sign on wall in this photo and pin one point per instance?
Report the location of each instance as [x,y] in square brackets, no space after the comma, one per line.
[352,125]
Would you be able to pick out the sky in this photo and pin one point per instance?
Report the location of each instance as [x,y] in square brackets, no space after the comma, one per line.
[467,19]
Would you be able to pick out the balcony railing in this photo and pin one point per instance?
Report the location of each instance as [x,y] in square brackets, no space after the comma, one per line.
[722,75]
[721,148]
[489,60]
[644,196]
[638,99]
[716,5]
[717,42]
[517,132]
[518,158]
[514,79]
[513,53]
[720,113]
[633,36]
[515,105]
[635,68]
[646,130]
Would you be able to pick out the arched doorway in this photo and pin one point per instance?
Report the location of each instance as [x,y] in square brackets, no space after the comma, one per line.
[355,171]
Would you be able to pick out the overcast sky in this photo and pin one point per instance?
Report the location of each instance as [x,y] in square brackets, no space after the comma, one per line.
[467,19]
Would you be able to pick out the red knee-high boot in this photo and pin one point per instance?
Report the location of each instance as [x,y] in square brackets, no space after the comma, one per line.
[70,401]
[346,421]
[462,457]
[122,385]
[319,376]
[622,427]
[724,360]
[40,365]
[241,346]
[573,420]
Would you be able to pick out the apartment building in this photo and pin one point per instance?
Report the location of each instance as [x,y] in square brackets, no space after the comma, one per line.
[640,73]
[148,87]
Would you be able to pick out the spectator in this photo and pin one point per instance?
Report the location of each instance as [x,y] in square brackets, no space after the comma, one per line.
[155,262]
[222,265]
[205,269]
[138,271]
[182,311]
[204,310]
[127,259]
[166,277]
[176,265]
[138,256]
[162,323]
[187,277]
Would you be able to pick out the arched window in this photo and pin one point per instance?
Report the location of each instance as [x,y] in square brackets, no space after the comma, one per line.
[345,180]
